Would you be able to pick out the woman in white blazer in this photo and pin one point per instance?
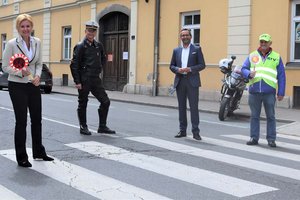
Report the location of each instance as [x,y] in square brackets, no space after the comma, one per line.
[24,90]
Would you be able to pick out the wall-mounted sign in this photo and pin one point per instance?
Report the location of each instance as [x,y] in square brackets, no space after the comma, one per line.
[125,55]
[109,57]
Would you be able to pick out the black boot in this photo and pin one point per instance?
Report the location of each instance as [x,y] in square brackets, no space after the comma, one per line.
[84,130]
[103,112]
[106,130]
[82,122]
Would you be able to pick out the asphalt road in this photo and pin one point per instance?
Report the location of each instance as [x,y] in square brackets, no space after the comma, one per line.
[144,160]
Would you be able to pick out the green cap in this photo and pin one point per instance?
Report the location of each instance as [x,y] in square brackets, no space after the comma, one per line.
[266,37]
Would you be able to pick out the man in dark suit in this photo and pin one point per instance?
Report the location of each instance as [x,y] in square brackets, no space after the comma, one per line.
[187,61]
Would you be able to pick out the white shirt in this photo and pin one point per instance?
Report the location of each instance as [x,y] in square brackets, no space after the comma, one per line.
[185,56]
[28,52]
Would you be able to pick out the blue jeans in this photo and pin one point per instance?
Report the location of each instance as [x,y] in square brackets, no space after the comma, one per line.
[255,102]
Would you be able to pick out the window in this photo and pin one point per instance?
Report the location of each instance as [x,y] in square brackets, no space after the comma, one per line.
[295,47]
[3,41]
[4,2]
[67,43]
[192,21]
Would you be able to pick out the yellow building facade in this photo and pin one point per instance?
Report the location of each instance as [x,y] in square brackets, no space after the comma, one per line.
[139,36]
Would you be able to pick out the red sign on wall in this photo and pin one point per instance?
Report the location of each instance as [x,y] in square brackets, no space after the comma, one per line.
[109,57]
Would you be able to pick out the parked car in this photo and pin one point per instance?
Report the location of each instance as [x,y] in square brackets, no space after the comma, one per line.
[46,79]
[3,78]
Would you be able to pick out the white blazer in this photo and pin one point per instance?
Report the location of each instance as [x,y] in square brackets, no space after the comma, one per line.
[14,46]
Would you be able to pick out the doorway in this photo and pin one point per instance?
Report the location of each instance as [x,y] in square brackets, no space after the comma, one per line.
[114,36]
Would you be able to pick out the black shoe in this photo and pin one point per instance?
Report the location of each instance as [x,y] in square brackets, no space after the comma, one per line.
[180,134]
[252,141]
[84,130]
[45,158]
[196,136]
[106,130]
[272,143]
[25,164]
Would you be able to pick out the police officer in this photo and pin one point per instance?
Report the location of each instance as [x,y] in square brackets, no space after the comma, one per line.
[88,60]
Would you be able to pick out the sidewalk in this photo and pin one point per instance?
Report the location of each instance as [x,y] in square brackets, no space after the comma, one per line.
[282,114]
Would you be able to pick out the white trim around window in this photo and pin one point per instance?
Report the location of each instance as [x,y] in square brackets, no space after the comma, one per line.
[4,2]
[295,22]
[67,39]
[3,41]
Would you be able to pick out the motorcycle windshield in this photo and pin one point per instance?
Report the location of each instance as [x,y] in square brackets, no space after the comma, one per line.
[236,75]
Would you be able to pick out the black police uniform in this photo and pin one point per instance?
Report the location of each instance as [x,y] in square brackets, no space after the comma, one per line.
[86,66]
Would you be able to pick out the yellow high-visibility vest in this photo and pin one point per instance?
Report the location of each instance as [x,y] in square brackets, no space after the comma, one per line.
[265,70]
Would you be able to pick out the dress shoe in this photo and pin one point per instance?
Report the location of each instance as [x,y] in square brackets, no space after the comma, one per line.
[84,130]
[252,141]
[272,143]
[45,158]
[196,136]
[106,130]
[180,134]
[25,164]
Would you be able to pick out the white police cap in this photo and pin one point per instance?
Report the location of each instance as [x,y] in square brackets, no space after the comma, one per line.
[91,24]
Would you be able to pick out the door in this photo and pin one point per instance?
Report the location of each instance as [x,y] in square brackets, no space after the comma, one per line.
[114,36]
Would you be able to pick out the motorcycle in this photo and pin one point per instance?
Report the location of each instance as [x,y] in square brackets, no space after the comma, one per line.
[232,89]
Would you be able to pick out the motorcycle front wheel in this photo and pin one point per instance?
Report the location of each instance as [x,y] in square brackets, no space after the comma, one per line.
[224,108]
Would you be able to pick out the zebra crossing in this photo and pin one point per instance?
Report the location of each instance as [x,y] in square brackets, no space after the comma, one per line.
[98,185]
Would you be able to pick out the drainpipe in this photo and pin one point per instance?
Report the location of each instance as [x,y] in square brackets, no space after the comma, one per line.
[156,47]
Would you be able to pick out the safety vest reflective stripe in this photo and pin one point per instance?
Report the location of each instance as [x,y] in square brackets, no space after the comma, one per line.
[266,70]
[272,71]
[265,76]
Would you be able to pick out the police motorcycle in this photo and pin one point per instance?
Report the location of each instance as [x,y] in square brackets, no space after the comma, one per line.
[232,89]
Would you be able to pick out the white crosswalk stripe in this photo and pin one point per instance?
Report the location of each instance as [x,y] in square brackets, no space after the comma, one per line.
[230,159]
[290,137]
[86,180]
[281,144]
[252,149]
[6,194]
[215,181]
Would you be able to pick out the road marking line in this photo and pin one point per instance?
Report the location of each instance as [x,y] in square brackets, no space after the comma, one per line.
[97,105]
[252,149]
[281,144]
[151,113]
[291,137]
[63,100]
[208,179]
[221,157]
[64,123]
[85,180]
[224,124]
[6,194]
[8,109]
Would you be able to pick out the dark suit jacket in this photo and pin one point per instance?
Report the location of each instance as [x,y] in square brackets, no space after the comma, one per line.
[195,62]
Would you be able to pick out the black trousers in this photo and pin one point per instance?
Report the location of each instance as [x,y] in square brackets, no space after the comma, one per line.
[95,86]
[186,91]
[26,96]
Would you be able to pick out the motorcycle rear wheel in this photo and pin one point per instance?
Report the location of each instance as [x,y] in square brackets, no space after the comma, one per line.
[224,108]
